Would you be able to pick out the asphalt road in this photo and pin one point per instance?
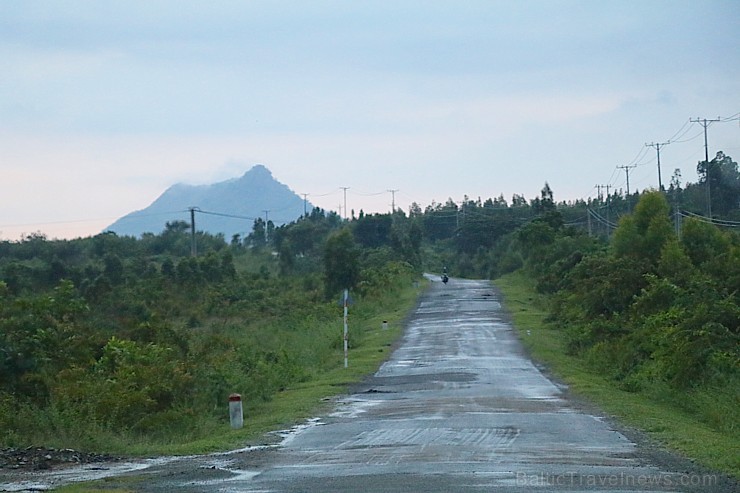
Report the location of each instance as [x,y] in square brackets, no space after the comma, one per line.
[458,407]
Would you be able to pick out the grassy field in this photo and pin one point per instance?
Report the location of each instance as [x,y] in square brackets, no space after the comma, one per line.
[657,411]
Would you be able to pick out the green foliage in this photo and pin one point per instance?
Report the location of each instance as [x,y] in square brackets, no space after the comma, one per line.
[39,337]
[700,422]
[373,230]
[641,235]
[724,179]
[703,241]
[140,341]
[440,221]
[118,338]
[341,266]
[651,307]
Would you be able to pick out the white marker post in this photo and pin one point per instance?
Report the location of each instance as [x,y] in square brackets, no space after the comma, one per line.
[236,414]
[346,330]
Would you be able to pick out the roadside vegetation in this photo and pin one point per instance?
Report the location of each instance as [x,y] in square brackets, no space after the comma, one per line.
[667,415]
[647,324]
[132,345]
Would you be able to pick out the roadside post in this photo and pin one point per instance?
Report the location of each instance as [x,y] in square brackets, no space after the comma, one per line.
[346,329]
[236,413]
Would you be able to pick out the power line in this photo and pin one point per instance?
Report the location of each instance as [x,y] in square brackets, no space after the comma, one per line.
[685,128]
[323,194]
[226,215]
[709,220]
[639,156]
[679,141]
[606,222]
[367,194]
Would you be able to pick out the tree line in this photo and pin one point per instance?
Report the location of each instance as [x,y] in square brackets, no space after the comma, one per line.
[108,339]
[88,327]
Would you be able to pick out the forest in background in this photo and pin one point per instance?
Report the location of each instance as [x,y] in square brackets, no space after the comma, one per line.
[120,338]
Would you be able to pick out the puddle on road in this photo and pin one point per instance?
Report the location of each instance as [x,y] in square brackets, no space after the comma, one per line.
[234,475]
[18,481]
[353,407]
[42,481]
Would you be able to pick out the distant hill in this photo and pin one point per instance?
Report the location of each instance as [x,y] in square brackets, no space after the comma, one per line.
[247,197]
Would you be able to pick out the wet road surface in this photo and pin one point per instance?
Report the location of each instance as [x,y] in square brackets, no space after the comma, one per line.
[457,408]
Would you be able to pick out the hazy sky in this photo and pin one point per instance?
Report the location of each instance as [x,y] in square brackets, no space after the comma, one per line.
[105,104]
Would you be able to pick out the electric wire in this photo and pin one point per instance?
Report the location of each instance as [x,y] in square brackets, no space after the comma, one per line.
[685,128]
[638,160]
[74,221]
[639,156]
[234,216]
[601,219]
[366,194]
[690,138]
[710,220]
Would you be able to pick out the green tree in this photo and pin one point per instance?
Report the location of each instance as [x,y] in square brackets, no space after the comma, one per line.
[703,241]
[545,203]
[642,234]
[440,221]
[113,269]
[724,180]
[257,238]
[341,262]
[373,230]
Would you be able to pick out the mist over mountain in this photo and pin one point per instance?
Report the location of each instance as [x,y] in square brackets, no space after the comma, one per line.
[247,197]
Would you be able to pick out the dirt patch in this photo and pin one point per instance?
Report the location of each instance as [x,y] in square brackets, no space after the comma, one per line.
[44,459]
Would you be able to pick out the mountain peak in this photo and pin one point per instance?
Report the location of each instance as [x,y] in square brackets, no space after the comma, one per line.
[230,207]
[259,170]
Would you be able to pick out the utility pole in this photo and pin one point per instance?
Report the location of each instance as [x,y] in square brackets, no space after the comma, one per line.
[346,329]
[657,148]
[305,195]
[599,187]
[598,191]
[676,183]
[608,219]
[627,170]
[193,247]
[705,123]
[265,211]
[345,201]
[393,199]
